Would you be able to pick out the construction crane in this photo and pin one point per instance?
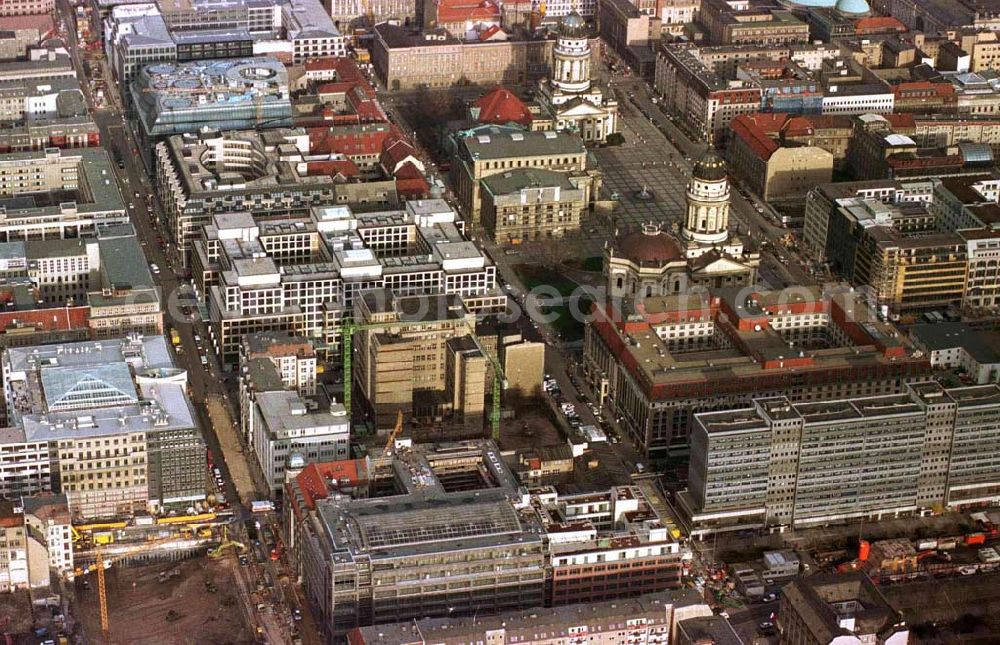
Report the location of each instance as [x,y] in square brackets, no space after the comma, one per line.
[392,435]
[100,565]
[348,329]
[102,595]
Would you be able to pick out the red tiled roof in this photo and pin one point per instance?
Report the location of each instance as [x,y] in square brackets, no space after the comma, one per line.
[40,21]
[315,478]
[827,121]
[489,32]
[745,128]
[877,24]
[61,318]
[332,168]
[334,87]
[941,89]
[499,106]
[346,69]
[356,141]
[362,100]
[323,64]
[410,182]
[451,11]
[901,121]
[797,126]
[395,151]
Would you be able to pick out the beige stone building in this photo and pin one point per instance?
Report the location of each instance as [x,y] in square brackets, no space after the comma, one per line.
[418,357]
[985,52]
[777,169]
[25,7]
[494,150]
[531,203]
[49,524]
[465,382]
[523,366]
[104,476]
[406,59]
[696,88]
[13,548]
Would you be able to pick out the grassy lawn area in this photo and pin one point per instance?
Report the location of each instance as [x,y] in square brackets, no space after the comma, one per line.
[569,328]
[594,263]
[535,276]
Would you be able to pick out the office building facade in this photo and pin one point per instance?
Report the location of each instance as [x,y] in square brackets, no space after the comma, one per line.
[779,463]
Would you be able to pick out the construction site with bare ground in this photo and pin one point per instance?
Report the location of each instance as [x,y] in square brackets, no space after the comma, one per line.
[173,603]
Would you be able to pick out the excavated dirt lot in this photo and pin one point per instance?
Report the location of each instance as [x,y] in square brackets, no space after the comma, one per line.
[179,611]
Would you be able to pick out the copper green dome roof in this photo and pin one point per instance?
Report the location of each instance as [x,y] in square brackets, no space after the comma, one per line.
[710,167]
[571,24]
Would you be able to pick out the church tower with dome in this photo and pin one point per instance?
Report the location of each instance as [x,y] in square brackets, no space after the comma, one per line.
[707,222]
[652,262]
[570,97]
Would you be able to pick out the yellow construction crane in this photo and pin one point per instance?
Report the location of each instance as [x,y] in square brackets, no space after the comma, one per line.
[392,435]
[102,595]
[100,564]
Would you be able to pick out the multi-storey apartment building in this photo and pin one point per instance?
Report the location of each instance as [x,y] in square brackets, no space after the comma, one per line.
[559,549]
[824,199]
[748,24]
[305,275]
[25,465]
[121,433]
[200,175]
[779,463]
[30,100]
[41,103]
[107,275]
[352,14]
[659,361]
[293,357]
[831,607]
[14,551]
[610,535]
[48,520]
[772,162]
[700,96]
[284,427]
[897,250]
[279,421]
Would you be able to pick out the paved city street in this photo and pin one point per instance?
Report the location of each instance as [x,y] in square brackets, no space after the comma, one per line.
[644,180]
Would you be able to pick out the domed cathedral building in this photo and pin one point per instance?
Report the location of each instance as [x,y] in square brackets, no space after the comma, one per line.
[570,98]
[654,262]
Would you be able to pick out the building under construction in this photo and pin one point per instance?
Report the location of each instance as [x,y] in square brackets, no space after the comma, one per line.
[440,535]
